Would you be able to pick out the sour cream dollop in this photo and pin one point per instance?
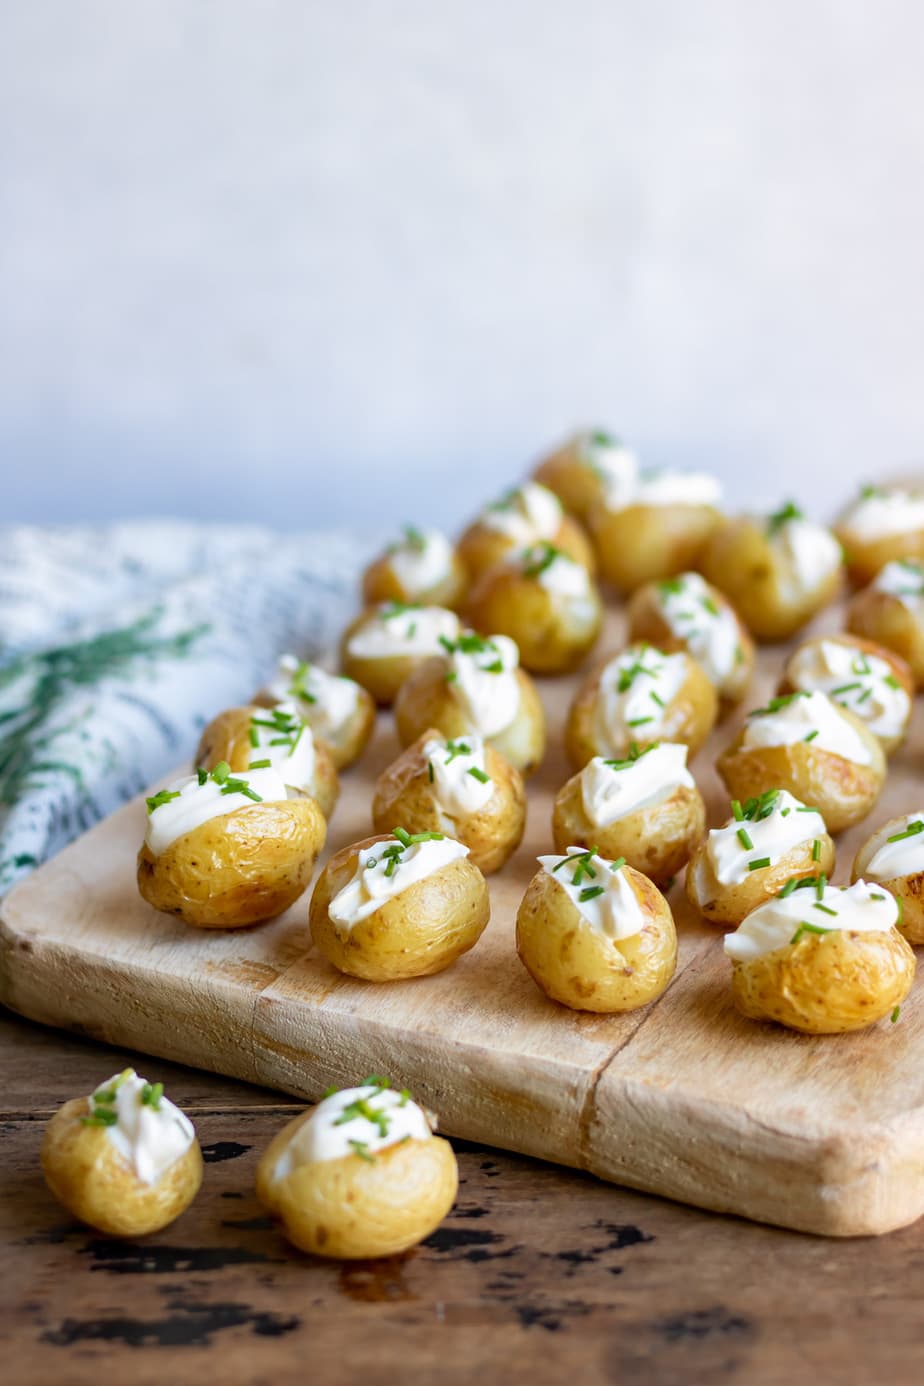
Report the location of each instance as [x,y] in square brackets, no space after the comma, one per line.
[526,515]
[613,464]
[482,676]
[189,802]
[864,683]
[611,789]
[599,890]
[354,1121]
[900,852]
[397,628]
[774,825]
[860,908]
[879,513]
[286,741]
[704,621]
[555,571]
[421,560]
[812,717]
[326,701]
[149,1132]
[904,580]
[807,553]
[376,880]
[663,487]
[636,689]
[460,781]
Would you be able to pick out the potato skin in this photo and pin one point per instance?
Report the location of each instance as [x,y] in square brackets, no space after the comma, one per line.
[647,623]
[227,737]
[381,583]
[640,543]
[404,796]
[842,791]
[827,985]
[656,841]
[89,1177]
[426,701]
[689,718]
[238,869]
[349,741]
[553,632]
[908,890]
[574,965]
[573,480]
[726,905]
[739,561]
[883,618]
[898,666]
[380,675]
[480,547]
[865,557]
[418,932]
[352,1208]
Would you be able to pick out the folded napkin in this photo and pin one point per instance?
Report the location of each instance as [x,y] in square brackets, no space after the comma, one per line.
[118,644]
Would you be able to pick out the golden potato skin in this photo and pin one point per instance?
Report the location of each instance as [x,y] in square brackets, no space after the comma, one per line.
[842,791]
[727,904]
[238,869]
[381,583]
[404,797]
[884,619]
[656,841]
[426,701]
[480,547]
[353,1208]
[553,632]
[418,932]
[227,737]
[865,557]
[380,675]
[739,561]
[640,543]
[580,968]
[349,741]
[647,623]
[689,718]
[827,984]
[908,890]
[898,666]
[573,479]
[89,1177]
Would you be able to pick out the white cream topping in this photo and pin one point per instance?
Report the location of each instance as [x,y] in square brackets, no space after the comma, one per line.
[878,514]
[525,515]
[612,789]
[421,560]
[657,487]
[601,895]
[397,629]
[788,825]
[636,688]
[807,553]
[482,677]
[354,1121]
[194,804]
[902,857]
[286,742]
[371,884]
[556,571]
[326,701]
[614,465]
[149,1132]
[864,683]
[904,580]
[705,622]
[461,783]
[859,908]
[810,717]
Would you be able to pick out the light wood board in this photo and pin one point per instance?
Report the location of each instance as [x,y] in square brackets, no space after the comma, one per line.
[683,1098]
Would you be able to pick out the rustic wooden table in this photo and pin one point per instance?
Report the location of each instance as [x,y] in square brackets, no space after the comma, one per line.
[539,1275]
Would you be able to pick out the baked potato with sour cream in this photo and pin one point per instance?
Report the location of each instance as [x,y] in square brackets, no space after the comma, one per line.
[902,878]
[339,711]
[640,542]
[228,737]
[526,515]
[890,612]
[687,613]
[868,679]
[586,470]
[883,525]
[422,566]
[383,645]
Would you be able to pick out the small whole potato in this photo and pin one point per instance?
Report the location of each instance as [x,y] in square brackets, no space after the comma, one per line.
[891,612]
[659,529]
[124,1160]
[636,698]
[526,515]
[397,906]
[591,469]
[767,842]
[462,788]
[779,572]
[255,737]
[339,711]
[543,601]
[821,959]
[882,525]
[893,857]
[385,644]
[595,935]
[421,567]
[868,679]
[359,1176]
[686,613]
[645,809]
[807,743]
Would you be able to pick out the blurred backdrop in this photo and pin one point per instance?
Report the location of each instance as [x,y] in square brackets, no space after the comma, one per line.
[312,263]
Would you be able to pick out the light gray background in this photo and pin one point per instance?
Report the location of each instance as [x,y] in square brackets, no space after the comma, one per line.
[361,260]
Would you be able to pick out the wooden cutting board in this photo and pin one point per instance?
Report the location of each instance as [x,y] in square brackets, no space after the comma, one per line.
[683,1098]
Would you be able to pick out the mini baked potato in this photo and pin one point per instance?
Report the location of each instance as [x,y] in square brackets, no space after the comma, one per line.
[779,572]
[339,711]
[382,646]
[638,697]
[545,602]
[398,905]
[255,737]
[875,684]
[686,613]
[422,566]
[893,857]
[767,842]
[462,788]
[475,688]
[124,1160]
[591,469]
[821,959]
[596,935]
[360,1175]
[891,612]
[660,529]
[806,743]
[645,809]
[526,515]
[882,525]
[228,869]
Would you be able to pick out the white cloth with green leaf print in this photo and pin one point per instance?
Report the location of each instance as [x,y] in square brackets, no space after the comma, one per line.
[118,644]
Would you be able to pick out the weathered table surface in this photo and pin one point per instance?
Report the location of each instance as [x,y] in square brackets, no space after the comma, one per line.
[539,1274]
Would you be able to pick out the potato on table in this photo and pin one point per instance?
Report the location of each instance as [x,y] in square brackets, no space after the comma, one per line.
[659,528]
[526,515]
[868,679]
[385,644]
[591,469]
[339,711]
[258,738]
[422,566]
[893,857]
[883,524]
[891,612]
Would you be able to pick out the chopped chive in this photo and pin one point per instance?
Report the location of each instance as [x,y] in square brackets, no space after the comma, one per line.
[912,830]
[895,1014]
[479,775]
[221,772]
[758,864]
[590,893]
[737,810]
[744,838]
[639,721]
[254,737]
[361,1149]
[788,888]
[825,909]
[202,775]
[656,698]
[618,864]
[811,736]
[892,681]
[260,765]
[151,1094]
[816,849]
[163,796]
[806,928]
[430,770]
[845,688]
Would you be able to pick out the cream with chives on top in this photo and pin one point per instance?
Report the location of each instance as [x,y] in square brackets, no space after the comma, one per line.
[382,646]
[421,566]
[526,515]
[339,711]
[868,679]
[360,1175]
[277,738]
[593,468]
[882,524]
[893,857]
[890,611]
